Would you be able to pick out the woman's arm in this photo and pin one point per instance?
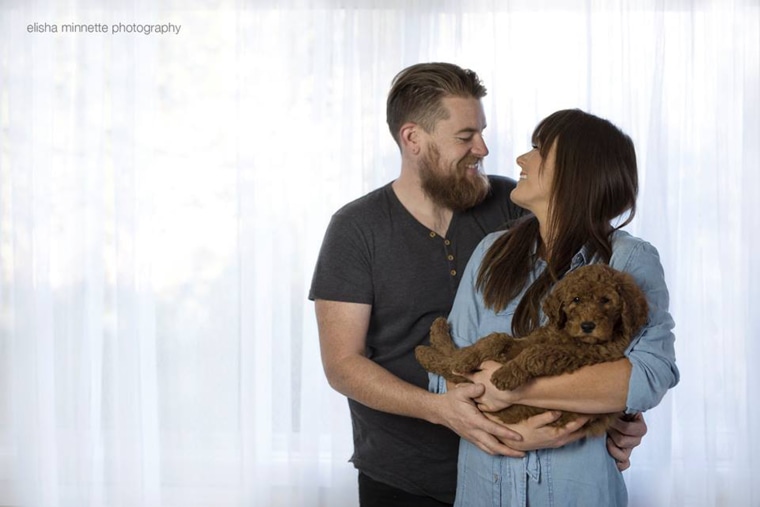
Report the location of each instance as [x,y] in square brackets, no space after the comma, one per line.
[597,389]
[636,383]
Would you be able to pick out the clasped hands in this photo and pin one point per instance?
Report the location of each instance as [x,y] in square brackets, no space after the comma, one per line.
[537,432]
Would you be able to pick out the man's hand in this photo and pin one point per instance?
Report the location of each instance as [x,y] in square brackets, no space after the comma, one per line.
[538,434]
[625,434]
[459,413]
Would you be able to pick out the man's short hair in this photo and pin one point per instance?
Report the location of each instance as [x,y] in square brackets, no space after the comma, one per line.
[417,92]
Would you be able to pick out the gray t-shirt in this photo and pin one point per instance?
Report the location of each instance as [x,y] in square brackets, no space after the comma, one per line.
[375,252]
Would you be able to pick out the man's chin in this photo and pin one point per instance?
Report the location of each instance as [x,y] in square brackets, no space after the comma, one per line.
[465,202]
[472,187]
[481,186]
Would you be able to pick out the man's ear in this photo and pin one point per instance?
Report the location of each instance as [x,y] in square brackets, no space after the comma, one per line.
[410,138]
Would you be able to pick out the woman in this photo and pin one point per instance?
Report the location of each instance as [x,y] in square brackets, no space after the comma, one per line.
[579,177]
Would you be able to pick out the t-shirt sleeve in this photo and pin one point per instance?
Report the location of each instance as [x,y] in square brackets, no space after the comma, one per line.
[344,270]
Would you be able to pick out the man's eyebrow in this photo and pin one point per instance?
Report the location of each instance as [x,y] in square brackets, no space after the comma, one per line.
[471,130]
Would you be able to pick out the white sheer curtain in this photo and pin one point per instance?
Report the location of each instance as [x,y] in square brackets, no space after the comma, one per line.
[163,198]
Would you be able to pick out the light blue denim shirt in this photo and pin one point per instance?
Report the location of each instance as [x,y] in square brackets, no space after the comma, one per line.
[581,473]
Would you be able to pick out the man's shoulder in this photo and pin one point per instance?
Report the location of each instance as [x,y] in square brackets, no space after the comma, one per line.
[498,203]
[368,203]
[501,185]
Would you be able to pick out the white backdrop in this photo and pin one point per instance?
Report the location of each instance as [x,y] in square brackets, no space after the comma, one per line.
[163,198]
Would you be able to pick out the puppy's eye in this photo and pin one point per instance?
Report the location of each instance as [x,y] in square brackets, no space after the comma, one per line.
[576,299]
[604,300]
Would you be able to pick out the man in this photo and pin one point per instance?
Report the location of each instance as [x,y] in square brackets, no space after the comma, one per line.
[389,265]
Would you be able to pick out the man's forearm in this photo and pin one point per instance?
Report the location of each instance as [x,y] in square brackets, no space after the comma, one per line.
[368,383]
[363,380]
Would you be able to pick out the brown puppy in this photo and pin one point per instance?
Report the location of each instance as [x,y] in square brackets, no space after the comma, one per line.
[593,314]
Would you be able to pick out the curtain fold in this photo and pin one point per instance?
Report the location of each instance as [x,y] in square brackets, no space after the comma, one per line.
[163,198]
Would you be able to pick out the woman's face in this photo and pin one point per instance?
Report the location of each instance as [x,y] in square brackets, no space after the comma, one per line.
[534,188]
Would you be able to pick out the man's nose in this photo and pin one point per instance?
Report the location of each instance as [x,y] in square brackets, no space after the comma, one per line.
[479,148]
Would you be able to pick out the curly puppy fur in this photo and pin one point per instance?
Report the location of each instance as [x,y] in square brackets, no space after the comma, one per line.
[593,313]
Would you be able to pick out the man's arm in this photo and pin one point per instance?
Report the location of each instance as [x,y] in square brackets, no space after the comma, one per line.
[625,434]
[342,337]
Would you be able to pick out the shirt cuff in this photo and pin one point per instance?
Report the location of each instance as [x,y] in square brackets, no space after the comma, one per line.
[436,383]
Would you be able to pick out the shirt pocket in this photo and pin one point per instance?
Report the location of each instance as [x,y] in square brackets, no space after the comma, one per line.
[498,322]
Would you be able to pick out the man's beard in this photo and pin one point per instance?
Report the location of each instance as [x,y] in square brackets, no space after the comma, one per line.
[457,190]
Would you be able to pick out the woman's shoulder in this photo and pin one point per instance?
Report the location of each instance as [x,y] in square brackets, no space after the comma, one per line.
[627,249]
[485,244]
[490,239]
[623,239]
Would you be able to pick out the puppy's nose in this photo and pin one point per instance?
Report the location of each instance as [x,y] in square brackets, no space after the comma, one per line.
[587,326]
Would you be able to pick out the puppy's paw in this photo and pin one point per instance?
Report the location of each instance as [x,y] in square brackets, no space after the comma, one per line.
[440,338]
[435,362]
[508,379]
[467,360]
[430,358]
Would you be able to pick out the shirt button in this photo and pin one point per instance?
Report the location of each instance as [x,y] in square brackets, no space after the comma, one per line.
[451,257]
[446,242]
[432,234]
[453,272]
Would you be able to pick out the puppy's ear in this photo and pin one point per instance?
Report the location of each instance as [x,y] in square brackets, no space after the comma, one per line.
[635,307]
[554,308]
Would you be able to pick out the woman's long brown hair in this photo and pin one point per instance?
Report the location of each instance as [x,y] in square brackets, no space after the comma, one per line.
[595,181]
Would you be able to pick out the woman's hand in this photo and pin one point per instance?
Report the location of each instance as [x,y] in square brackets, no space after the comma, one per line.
[492,399]
[538,434]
